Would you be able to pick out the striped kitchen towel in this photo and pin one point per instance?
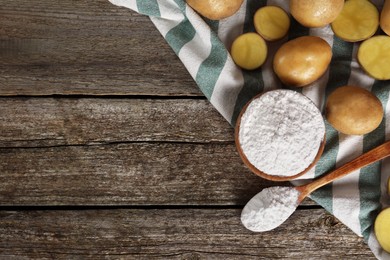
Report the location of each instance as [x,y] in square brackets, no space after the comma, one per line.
[203,47]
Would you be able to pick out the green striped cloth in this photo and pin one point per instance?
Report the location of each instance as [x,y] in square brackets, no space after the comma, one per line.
[203,45]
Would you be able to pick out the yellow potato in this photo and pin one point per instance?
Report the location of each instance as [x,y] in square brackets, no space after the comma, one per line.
[358,20]
[382,229]
[385,17]
[374,56]
[271,22]
[215,9]
[302,61]
[249,51]
[353,110]
[315,13]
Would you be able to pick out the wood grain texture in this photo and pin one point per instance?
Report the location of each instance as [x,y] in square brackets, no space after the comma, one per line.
[126,127]
[87,48]
[127,174]
[172,234]
[40,122]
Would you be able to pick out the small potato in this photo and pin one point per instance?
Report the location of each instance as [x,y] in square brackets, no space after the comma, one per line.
[315,13]
[382,229]
[374,56]
[353,110]
[302,61]
[249,51]
[215,9]
[358,20]
[385,17]
[271,22]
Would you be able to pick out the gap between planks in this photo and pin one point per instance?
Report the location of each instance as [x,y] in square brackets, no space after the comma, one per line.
[105,96]
[137,207]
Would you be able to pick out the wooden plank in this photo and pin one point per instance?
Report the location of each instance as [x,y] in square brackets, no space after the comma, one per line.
[173,234]
[38,122]
[127,174]
[85,47]
[73,130]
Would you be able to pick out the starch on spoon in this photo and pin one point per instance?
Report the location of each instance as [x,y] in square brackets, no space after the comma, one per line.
[272,206]
[269,208]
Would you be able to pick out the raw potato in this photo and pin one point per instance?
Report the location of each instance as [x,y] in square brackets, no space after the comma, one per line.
[215,9]
[382,229]
[271,22]
[353,110]
[374,57]
[359,20]
[302,61]
[315,13]
[385,17]
[249,51]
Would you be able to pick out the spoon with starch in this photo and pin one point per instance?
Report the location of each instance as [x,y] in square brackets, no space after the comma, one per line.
[272,206]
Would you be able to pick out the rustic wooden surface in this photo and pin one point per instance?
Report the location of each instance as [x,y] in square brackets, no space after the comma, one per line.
[109,150]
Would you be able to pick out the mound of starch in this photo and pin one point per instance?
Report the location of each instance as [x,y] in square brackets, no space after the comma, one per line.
[281,132]
[269,208]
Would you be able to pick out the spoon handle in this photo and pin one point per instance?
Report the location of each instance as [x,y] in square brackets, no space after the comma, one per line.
[365,159]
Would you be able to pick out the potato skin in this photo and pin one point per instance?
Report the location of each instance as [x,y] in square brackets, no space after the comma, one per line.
[385,17]
[353,110]
[215,9]
[302,61]
[315,13]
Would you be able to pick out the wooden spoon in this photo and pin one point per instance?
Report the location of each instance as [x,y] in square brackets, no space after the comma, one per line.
[259,213]
[363,160]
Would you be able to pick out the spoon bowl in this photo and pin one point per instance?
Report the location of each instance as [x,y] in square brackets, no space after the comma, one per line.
[268,204]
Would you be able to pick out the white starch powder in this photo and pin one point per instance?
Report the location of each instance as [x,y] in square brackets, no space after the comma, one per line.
[269,208]
[281,132]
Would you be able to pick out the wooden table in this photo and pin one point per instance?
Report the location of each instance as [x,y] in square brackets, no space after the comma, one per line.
[109,150]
